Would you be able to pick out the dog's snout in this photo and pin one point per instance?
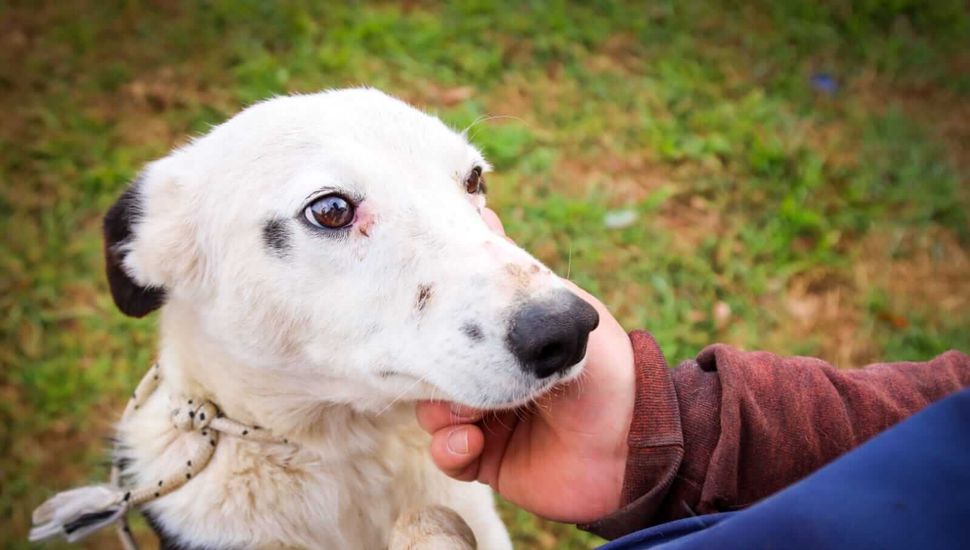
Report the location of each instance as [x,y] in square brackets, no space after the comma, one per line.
[549,336]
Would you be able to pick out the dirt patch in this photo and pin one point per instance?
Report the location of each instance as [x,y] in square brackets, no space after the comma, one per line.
[823,307]
[920,274]
[691,218]
[42,74]
[137,109]
[535,97]
[625,179]
[432,95]
[620,54]
[944,112]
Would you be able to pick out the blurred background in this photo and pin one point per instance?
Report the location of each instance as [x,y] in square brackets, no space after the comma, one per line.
[782,175]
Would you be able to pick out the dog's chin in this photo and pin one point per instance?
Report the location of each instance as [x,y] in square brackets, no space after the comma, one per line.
[529,390]
[400,387]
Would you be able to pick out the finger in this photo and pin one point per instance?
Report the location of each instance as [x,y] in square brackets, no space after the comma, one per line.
[434,415]
[493,222]
[470,473]
[455,451]
[498,428]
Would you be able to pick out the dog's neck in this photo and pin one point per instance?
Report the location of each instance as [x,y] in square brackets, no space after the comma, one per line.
[286,403]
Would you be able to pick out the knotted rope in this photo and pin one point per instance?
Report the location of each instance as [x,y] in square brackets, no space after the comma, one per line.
[79,512]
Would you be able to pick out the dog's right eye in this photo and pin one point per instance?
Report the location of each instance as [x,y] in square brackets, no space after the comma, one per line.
[330,212]
[475,182]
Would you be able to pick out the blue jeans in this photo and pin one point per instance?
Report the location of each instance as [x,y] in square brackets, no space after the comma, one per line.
[908,487]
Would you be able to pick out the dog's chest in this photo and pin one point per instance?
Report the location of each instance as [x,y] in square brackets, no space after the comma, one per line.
[345,494]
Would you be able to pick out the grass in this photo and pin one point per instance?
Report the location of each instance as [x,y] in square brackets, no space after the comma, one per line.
[769,213]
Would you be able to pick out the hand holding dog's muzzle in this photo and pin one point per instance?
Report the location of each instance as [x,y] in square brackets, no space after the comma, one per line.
[562,457]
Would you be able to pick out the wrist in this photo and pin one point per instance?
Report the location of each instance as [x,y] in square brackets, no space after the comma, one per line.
[655,441]
[654,444]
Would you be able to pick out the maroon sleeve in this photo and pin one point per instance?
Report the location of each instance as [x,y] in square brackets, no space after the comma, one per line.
[731,427]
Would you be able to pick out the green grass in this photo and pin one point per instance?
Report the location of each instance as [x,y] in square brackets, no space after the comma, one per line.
[769,214]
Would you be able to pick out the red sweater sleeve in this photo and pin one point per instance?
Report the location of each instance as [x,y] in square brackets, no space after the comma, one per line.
[731,427]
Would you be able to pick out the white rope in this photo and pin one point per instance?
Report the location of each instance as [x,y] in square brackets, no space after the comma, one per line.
[79,512]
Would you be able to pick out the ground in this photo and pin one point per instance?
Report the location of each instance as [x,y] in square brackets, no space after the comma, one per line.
[794,175]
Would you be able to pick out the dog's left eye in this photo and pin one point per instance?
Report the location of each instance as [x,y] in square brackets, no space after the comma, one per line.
[330,212]
[475,182]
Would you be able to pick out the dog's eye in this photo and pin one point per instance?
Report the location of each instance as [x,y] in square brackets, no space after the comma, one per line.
[330,212]
[475,182]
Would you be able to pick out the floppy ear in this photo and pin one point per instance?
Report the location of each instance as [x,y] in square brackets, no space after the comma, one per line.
[131,298]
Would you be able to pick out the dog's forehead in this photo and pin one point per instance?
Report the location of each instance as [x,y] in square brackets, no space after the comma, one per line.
[355,121]
[360,141]
[375,119]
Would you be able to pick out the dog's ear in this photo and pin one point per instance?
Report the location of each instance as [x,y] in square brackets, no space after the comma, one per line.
[151,238]
[132,298]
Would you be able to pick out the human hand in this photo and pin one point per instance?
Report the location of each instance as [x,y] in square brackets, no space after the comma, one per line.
[564,456]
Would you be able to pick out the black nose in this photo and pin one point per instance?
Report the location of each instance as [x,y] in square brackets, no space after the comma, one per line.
[550,335]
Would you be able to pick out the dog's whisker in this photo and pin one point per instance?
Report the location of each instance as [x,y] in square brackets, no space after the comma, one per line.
[498,418]
[488,118]
[478,119]
[583,380]
[400,395]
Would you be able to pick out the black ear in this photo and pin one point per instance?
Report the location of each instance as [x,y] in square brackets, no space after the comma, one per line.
[131,298]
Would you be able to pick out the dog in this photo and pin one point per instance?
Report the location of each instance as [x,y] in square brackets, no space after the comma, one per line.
[320,263]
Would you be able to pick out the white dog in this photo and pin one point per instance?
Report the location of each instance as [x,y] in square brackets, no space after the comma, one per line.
[321,263]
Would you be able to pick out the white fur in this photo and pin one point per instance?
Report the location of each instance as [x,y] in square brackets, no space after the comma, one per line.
[323,344]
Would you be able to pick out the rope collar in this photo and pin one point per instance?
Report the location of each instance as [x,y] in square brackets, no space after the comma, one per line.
[76,513]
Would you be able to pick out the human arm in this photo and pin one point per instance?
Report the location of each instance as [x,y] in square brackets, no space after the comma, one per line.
[746,424]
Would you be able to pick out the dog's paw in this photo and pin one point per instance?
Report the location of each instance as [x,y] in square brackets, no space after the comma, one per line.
[431,528]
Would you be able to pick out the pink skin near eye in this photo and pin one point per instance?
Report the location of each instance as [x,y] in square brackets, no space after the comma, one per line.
[364,219]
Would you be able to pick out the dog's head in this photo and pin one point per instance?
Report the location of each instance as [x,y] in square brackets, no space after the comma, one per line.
[340,234]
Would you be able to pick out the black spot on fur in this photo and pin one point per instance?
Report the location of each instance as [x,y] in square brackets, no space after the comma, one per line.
[276,237]
[473,331]
[424,294]
[131,298]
